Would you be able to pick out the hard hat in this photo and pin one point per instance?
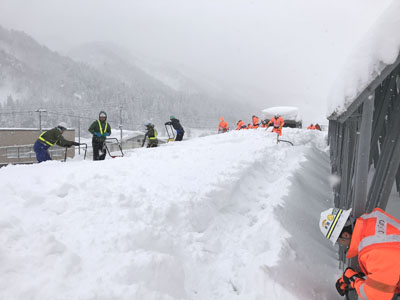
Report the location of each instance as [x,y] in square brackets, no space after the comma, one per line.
[148,123]
[62,125]
[171,117]
[102,114]
[332,222]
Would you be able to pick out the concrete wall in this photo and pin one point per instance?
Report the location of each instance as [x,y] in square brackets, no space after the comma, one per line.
[16,145]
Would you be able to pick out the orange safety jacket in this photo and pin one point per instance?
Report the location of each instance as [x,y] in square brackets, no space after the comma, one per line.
[223,125]
[376,241]
[256,122]
[311,127]
[240,125]
[277,122]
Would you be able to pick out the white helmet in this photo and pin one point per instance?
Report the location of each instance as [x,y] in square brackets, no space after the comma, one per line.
[148,123]
[62,125]
[332,222]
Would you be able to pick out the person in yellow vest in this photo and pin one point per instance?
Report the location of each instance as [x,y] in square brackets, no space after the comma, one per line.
[100,130]
[375,238]
[151,135]
[50,138]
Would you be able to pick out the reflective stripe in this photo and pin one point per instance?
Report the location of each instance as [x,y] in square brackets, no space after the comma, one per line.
[378,214]
[47,142]
[383,287]
[101,129]
[328,235]
[277,123]
[362,292]
[155,135]
[378,239]
[380,235]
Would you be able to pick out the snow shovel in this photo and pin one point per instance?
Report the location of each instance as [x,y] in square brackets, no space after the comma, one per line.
[65,156]
[85,149]
[119,145]
[171,137]
[279,140]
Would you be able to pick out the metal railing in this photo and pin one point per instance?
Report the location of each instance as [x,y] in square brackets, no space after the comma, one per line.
[24,154]
[365,147]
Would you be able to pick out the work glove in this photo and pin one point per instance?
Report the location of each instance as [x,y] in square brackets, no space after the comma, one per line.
[350,276]
[341,286]
[106,134]
[76,144]
[96,133]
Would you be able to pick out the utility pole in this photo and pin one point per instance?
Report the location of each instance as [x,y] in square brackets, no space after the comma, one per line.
[79,135]
[120,123]
[39,110]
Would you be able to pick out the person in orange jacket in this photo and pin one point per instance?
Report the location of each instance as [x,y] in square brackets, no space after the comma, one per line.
[317,127]
[223,125]
[375,238]
[256,121]
[311,127]
[249,126]
[278,122]
[240,125]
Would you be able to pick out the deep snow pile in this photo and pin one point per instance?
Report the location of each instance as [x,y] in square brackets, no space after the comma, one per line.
[230,216]
[379,48]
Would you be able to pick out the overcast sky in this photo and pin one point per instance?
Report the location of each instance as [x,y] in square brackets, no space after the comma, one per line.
[272,53]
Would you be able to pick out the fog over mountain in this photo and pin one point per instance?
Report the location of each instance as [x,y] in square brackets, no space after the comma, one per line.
[99,76]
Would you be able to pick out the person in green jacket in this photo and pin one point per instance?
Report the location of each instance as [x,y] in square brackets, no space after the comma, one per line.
[100,130]
[151,135]
[50,138]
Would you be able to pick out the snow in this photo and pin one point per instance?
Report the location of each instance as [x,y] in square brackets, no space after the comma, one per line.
[126,134]
[6,90]
[228,216]
[379,48]
[286,112]
[78,96]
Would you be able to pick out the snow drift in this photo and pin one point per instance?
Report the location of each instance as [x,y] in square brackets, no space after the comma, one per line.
[229,216]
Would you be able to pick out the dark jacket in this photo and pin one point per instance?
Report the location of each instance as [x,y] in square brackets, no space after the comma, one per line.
[54,136]
[100,130]
[151,134]
[175,123]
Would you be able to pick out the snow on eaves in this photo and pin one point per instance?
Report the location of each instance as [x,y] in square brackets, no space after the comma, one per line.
[378,49]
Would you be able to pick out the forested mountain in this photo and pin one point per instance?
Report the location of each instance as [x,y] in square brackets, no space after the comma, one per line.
[33,76]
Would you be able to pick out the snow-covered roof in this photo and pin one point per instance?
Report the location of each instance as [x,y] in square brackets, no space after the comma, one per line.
[126,134]
[379,48]
[286,112]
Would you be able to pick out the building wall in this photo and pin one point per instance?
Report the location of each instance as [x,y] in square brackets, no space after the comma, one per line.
[16,145]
